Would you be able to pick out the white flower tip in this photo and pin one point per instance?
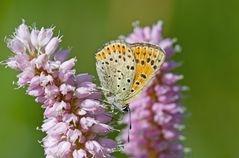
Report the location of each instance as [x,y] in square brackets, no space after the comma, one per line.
[182,138]
[121,37]
[23,21]
[52,45]
[40,142]
[187,150]
[178,48]
[60,37]
[136,23]
[4,62]
[52,27]
[6,39]
[179,126]
[159,23]
[185,88]
[22,28]
[174,40]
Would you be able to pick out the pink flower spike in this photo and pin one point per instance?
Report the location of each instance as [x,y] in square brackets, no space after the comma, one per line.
[61,55]
[83,78]
[23,34]
[49,123]
[16,46]
[67,65]
[58,129]
[52,45]
[50,142]
[79,154]
[63,149]
[40,61]
[157,112]
[90,105]
[83,92]
[73,120]
[101,128]
[87,122]
[64,88]
[68,118]
[73,135]
[108,143]
[156,33]
[33,37]
[104,118]
[94,148]
[44,36]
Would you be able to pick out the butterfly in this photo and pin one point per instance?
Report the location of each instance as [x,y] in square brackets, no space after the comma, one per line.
[125,69]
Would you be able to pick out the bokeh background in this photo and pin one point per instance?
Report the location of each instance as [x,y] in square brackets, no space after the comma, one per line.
[207,30]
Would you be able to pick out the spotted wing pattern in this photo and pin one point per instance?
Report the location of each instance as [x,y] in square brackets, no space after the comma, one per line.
[148,59]
[115,64]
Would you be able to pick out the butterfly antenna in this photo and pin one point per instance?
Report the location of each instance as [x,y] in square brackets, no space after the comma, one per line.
[130,123]
[127,109]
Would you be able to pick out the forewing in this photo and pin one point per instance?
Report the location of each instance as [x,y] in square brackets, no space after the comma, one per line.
[148,58]
[115,64]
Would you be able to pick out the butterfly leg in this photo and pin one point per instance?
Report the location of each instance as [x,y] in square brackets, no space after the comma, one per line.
[112,109]
[103,89]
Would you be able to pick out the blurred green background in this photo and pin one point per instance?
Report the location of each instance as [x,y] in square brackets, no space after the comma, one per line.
[207,30]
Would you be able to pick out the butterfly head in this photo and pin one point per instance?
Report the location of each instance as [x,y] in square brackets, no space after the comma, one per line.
[119,104]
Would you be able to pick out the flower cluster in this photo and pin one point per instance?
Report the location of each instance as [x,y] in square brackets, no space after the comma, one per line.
[157,114]
[74,119]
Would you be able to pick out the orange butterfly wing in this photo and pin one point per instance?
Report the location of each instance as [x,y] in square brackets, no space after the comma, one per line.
[149,59]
